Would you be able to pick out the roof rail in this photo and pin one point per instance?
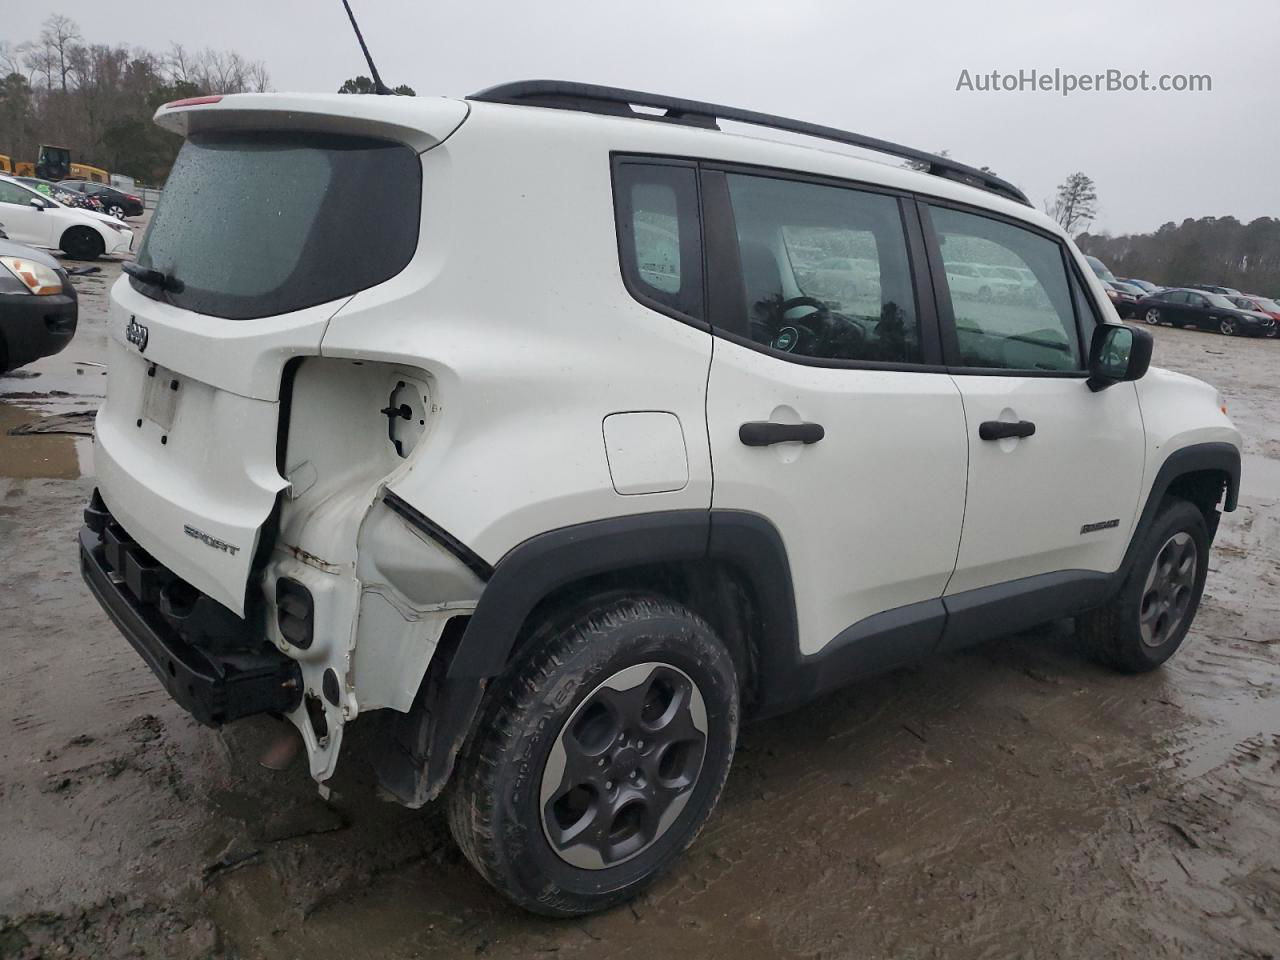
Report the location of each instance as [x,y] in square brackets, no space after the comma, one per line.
[590,98]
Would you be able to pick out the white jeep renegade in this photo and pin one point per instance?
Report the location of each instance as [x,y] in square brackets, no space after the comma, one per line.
[550,434]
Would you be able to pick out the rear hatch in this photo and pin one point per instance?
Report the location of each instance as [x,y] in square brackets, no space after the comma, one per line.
[278,210]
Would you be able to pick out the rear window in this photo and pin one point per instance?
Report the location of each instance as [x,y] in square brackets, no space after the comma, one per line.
[257,224]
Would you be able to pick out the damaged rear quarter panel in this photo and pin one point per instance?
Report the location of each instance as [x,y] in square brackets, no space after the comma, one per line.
[381,592]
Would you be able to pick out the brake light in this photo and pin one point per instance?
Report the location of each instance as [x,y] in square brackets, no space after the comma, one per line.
[193,101]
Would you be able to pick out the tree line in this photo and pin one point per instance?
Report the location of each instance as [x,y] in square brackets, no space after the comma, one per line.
[98,99]
[1219,250]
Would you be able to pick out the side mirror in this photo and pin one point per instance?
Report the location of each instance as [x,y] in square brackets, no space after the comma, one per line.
[38,204]
[1118,353]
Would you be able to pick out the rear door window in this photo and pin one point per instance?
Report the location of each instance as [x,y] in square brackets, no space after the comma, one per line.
[825,271]
[253,224]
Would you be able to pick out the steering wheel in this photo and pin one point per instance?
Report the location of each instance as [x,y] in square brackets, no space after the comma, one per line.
[813,337]
[794,336]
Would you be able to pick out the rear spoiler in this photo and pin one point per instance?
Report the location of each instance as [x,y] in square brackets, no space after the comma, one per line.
[420,122]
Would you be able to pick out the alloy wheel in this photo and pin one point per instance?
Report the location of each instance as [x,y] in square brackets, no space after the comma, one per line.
[623,766]
[117,212]
[1152,316]
[1166,597]
[1228,327]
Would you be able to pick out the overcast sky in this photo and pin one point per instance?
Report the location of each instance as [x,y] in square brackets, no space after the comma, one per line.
[887,68]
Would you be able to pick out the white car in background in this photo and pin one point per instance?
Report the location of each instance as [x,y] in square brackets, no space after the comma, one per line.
[32,218]
[1003,283]
[965,281]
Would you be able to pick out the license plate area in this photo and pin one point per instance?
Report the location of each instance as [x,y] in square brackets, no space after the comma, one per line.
[160,397]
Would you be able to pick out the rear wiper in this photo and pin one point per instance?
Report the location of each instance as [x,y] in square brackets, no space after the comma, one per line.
[156,278]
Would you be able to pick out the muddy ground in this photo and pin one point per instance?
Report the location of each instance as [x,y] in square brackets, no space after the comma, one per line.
[1014,800]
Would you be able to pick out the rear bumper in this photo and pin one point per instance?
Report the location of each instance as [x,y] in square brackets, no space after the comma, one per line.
[208,660]
[33,327]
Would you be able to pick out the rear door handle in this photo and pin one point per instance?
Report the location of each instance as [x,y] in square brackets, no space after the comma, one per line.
[762,433]
[1000,429]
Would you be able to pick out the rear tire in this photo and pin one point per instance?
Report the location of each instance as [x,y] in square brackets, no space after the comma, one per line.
[116,211]
[1146,622]
[587,773]
[82,243]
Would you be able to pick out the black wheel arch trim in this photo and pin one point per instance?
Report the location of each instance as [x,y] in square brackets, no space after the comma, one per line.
[542,564]
[531,571]
[1193,458]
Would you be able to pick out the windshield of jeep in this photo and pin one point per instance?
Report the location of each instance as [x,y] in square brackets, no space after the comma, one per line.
[253,224]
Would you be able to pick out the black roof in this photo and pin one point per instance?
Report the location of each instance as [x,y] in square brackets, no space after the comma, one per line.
[613,101]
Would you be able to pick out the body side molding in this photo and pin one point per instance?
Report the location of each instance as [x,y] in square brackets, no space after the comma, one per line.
[876,644]
[1007,608]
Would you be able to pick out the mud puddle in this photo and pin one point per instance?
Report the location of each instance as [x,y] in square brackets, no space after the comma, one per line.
[53,456]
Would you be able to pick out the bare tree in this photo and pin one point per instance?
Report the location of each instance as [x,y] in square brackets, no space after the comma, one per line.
[60,36]
[256,77]
[10,59]
[216,71]
[1076,203]
[177,64]
[38,61]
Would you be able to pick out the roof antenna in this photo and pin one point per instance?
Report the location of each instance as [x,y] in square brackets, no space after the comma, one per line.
[378,85]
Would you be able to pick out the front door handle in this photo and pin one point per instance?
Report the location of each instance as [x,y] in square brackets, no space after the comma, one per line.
[762,433]
[1000,429]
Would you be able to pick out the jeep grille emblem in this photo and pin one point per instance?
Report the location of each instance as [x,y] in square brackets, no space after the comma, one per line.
[136,334]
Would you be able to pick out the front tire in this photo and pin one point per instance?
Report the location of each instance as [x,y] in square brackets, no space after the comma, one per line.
[1227,327]
[1152,317]
[1146,622]
[597,757]
[82,243]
